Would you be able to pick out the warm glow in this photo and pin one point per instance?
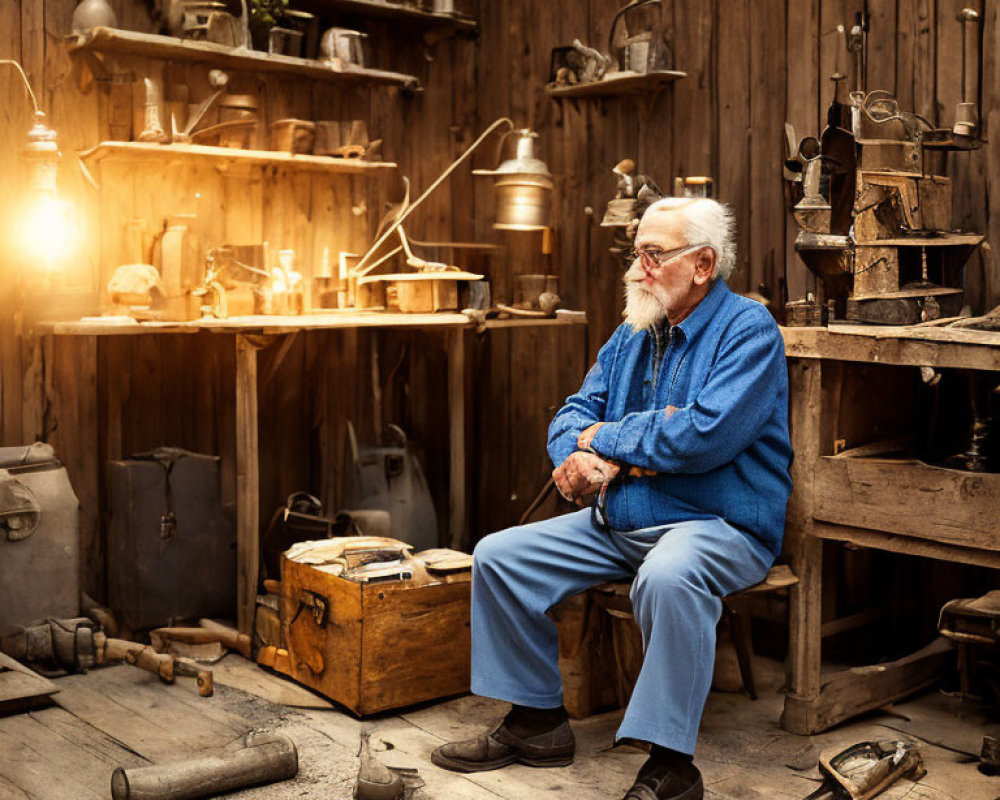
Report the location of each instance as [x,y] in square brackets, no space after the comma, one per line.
[47,232]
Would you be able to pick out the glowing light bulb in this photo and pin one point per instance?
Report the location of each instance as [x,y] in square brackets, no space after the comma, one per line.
[47,231]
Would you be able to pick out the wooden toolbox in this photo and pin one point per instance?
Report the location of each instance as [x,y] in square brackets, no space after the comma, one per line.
[375,646]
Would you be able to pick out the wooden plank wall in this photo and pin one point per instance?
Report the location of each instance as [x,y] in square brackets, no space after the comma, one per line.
[751,66]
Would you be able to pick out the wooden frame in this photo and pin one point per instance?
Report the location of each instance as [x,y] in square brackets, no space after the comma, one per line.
[877,521]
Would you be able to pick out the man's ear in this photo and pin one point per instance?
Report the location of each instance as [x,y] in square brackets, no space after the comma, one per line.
[705,265]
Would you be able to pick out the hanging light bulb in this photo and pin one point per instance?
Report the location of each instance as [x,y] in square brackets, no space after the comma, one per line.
[46,229]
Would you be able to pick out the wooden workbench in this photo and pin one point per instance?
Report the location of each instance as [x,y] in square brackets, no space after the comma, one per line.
[902,506]
[253,334]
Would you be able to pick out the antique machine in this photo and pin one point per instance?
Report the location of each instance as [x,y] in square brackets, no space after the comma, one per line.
[874,201]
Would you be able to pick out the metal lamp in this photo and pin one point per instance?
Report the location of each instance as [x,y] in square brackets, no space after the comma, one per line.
[523,188]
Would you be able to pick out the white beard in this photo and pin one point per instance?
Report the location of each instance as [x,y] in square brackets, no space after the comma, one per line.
[642,309]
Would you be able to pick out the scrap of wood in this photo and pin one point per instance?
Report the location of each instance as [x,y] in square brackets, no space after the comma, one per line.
[238,673]
[22,688]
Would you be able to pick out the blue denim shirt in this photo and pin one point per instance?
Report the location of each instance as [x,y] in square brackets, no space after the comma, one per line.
[724,452]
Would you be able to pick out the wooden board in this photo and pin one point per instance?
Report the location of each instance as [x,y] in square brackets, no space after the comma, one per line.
[134,708]
[910,498]
[861,689]
[619,84]
[237,672]
[896,345]
[224,157]
[111,40]
[21,688]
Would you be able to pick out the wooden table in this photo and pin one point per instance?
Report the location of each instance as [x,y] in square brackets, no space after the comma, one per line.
[251,334]
[894,505]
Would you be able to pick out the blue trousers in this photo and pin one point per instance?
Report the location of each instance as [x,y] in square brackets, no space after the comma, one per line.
[681,573]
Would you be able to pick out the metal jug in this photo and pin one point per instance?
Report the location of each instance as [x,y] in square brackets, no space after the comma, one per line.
[344,45]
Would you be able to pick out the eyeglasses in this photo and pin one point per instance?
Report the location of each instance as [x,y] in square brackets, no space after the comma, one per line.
[655,257]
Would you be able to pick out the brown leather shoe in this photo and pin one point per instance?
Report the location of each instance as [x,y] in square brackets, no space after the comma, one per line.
[501,748]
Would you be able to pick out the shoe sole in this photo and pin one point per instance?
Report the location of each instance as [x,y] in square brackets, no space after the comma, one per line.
[695,792]
[485,766]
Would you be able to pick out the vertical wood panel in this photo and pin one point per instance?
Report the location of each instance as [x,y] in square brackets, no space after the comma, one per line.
[881,44]
[802,112]
[767,116]
[967,170]
[733,22]
[990,114]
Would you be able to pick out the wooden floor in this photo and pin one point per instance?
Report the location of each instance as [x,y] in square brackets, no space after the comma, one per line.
[122,716]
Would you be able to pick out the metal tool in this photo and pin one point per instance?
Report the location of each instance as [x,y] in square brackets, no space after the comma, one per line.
[812,212]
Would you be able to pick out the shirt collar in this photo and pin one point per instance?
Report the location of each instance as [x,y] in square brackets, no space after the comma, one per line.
[705,310]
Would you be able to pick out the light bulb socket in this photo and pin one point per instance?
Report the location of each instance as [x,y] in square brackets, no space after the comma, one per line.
[42,153]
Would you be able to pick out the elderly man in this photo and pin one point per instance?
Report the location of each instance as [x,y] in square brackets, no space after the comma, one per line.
[679,438]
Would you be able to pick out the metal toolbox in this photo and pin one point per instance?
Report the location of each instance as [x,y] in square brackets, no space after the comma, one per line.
[171,549]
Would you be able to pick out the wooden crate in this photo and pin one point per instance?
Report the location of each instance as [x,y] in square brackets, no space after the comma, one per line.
[373,647]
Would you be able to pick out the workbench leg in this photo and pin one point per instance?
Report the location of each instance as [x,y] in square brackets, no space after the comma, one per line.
[458,523]
[247,481]
[805,611]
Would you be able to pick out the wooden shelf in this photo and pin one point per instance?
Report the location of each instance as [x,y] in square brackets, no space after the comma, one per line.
[231,156]
[329,320]
[945,240]
[943,348]
[624,83]
[386,10]
[112,40]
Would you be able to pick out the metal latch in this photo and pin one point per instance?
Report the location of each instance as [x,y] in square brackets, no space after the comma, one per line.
[318,605]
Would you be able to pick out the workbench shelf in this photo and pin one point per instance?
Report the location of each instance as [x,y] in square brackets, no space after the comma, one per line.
[855,386]
[230,156]
[625,83]
[151,45]
[379,9]
[909,498]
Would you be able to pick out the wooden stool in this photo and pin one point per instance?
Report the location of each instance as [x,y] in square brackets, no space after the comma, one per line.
[597,651]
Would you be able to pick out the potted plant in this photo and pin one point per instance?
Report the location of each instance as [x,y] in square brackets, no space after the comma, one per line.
[276,28]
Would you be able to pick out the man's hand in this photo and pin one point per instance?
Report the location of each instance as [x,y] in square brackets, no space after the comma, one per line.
[581,475]
[587,436]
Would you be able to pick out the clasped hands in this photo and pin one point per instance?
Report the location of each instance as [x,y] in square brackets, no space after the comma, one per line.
[583,473]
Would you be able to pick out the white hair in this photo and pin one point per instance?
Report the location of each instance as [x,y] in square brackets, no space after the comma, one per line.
[707,222]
